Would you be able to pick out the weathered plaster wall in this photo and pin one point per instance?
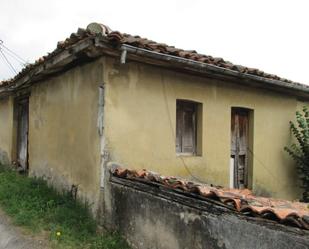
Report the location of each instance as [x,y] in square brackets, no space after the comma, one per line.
[140,126]
[140,110]
[64,145]
[6,129]
[152,217]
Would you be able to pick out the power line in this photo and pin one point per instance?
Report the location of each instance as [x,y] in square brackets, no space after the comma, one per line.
[5,52]
[12,53]
[21,63]
[261,163]
[7,62]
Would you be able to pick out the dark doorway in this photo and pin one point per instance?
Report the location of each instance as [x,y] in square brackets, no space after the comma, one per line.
[22,115]
[240,150]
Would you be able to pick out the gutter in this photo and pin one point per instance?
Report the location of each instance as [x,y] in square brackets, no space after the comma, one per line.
[295,89]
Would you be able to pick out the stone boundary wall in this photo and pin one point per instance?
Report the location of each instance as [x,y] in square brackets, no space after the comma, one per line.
[154,217]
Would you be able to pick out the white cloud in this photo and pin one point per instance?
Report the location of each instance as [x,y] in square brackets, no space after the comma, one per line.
[269,35]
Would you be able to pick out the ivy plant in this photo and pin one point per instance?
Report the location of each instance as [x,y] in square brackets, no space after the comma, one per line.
[299,150]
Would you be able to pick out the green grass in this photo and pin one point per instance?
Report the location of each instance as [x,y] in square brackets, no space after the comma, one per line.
[39,208]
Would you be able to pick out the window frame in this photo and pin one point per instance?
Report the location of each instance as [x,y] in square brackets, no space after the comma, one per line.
[196,110]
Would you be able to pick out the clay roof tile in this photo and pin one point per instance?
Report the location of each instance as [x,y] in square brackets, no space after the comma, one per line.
[241,200]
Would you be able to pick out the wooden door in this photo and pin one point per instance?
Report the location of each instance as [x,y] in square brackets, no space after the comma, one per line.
[22,133]
[239,146]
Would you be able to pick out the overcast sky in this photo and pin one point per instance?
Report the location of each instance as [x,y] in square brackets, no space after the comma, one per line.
[271,35]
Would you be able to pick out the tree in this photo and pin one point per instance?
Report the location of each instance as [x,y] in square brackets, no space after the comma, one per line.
[299,150]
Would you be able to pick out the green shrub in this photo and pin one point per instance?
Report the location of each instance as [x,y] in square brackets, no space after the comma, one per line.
[299,151]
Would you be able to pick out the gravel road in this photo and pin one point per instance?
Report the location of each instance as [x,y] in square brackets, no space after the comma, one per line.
[12,237]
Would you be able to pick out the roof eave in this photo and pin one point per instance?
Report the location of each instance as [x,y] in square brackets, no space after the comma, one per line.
[296,89]
[93,47]
[78,52]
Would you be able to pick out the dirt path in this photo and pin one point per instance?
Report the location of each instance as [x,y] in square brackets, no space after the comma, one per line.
[12,237]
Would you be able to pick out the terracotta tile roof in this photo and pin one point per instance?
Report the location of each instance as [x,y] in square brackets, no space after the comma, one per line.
[242,201]
[137,41]
[61,45]
[117,38]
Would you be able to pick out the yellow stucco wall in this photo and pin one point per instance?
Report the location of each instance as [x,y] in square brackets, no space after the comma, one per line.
[64,145]
[6,129]
[140,115]
[140,126]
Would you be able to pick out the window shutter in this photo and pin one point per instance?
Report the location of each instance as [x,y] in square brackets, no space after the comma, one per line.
[186,127]
[233,134]
[179,126]
[188,132]
[243,134]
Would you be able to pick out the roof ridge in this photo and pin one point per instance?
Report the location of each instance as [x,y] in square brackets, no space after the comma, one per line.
[116,37]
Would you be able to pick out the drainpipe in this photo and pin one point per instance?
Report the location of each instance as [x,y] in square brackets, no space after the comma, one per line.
[101,110]
[100,126]
[123,55]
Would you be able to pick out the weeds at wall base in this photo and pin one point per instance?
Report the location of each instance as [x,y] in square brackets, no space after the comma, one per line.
[39,208]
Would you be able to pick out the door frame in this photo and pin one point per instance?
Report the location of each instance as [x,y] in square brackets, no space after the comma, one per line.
[247,153]
[20,100]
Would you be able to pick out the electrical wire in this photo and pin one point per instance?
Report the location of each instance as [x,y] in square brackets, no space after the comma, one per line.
[13,53]
[182,159]
[261,163]
[7,62]
[5,52]
[21,63]
[174,136]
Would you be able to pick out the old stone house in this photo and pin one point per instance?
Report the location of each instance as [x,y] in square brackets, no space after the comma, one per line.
[105,96]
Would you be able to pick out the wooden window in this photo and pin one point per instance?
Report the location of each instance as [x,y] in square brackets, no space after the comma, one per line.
[186,127]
